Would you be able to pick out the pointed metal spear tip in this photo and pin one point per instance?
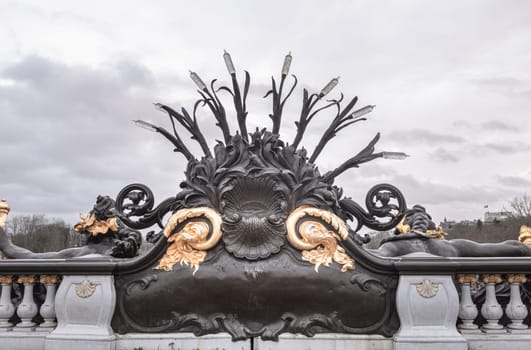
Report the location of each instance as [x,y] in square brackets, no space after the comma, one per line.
[331,84]
[362,111]
[145,125]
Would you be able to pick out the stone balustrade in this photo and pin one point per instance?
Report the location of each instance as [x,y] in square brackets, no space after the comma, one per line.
[486,315]
[19,309]
[456,312]
[492,312]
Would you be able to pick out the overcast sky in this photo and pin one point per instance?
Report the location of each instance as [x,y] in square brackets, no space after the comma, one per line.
[451,82]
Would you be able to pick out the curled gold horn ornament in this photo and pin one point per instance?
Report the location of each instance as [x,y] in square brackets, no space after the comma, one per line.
[318,243]
[189,245]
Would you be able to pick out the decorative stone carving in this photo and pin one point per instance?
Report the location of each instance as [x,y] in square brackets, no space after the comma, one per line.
[47,310]
[491,309]
[427,289]
[7,309]
[27,308]
[468,311]
[85,289]
[427,322]
[516,310]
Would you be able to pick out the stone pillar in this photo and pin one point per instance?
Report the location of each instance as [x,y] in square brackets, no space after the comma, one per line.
[27,309]
[7,309]
[427,307]
[84,306]
[4,211]
[491,309]
[468,311]
[516,310]
[48,307]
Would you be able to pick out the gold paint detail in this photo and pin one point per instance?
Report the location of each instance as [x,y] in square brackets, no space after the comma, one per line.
[4,211]
[95,227]
[403,228]
[27,279]
[189,245]
[467,278]
[437,233]
[427,288]
[516,278]
[6,279]
[85,289]
[319,245]
[525,235]
[492,278]
[49,279]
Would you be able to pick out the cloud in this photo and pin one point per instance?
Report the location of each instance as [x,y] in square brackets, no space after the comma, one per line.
[67,126]
[499,126]
[443,155]
[72,77]
[514,181]
[504,148]
[424,137]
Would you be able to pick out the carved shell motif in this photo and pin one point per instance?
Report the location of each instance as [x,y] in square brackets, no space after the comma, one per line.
[253,218]
[427,289]
[85,289]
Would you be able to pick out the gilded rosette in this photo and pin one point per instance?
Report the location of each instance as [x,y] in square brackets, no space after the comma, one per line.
[48,279]
[27,279]
[467,278]
[492,278]
[190,243]
[6,279]
[319,244]
[518,278]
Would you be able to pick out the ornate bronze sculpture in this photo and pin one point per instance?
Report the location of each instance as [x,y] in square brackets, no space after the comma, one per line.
[257,241]
[107,235]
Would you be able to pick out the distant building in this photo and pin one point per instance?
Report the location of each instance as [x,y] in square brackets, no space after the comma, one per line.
[447,224]
[496,216]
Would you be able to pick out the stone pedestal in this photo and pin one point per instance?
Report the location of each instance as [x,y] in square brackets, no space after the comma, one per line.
[326,342]
[84,307]
[428,308]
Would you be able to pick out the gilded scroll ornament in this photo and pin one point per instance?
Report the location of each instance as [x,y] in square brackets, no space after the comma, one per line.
[85,289]
[96,227]
[319,244]
[190,244]
[427,288]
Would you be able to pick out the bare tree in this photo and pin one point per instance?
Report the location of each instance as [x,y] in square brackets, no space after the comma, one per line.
[520,207]
[41,234]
